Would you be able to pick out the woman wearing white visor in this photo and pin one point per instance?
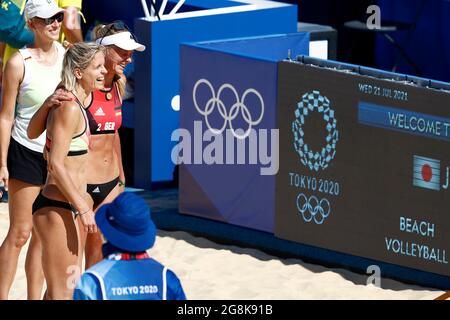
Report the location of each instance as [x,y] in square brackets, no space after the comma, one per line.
[106,178]
[31,74]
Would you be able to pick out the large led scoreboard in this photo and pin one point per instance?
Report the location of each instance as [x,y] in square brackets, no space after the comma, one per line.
[364,164]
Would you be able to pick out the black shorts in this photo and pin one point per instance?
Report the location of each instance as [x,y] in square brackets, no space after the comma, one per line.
[99,192]
[26,165]
[43,202]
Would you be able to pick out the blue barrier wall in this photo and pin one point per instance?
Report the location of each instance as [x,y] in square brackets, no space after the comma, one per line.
[157,71]
[226,86]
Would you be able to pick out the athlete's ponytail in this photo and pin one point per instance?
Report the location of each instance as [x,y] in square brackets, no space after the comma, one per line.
[103,30]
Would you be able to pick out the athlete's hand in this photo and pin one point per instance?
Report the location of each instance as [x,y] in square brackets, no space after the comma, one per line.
[57,98]
[88,221]
[4,177]
[66,44]
[121,185]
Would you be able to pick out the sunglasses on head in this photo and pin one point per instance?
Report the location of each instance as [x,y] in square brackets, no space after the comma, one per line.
[58,17]
[117,26]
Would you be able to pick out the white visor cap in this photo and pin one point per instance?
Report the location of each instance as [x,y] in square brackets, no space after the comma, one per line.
[41,8]
[123,40]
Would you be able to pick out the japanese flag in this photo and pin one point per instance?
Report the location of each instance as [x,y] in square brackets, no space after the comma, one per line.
[427,173]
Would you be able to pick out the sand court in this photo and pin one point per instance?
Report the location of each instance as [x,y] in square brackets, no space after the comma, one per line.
[214,271]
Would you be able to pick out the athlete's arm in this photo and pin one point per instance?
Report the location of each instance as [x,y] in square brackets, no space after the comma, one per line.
[63,127]
[2,51]
[71,24]
[121,84]
[13,76]
[39,119]
[118,150]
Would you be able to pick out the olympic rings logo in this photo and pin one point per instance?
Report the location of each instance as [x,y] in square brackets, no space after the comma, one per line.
[315,160]
[238,107]
[313,209]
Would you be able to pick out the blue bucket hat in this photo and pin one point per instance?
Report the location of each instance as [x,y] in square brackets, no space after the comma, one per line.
[126,223]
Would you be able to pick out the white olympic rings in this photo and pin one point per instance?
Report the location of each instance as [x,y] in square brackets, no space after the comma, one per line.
[238,106]
[311,208]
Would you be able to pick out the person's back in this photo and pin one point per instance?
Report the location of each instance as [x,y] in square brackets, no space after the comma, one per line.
[128,273]
[121,277]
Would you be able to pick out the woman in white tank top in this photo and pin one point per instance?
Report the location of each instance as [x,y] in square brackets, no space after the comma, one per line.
[31,75]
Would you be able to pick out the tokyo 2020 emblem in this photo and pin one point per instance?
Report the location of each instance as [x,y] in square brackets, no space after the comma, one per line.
[315,159]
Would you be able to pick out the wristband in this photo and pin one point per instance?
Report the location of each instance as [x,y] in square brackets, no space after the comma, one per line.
[80,214]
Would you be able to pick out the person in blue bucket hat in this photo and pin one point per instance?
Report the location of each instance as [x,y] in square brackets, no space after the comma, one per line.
[127,272]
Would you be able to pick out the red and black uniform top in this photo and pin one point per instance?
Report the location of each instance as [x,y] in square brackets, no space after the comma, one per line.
[105,111]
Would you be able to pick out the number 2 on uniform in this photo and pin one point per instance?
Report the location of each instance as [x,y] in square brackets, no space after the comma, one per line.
[108,126]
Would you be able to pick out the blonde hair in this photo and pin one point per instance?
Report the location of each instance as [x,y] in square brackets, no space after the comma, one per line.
[79,56]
